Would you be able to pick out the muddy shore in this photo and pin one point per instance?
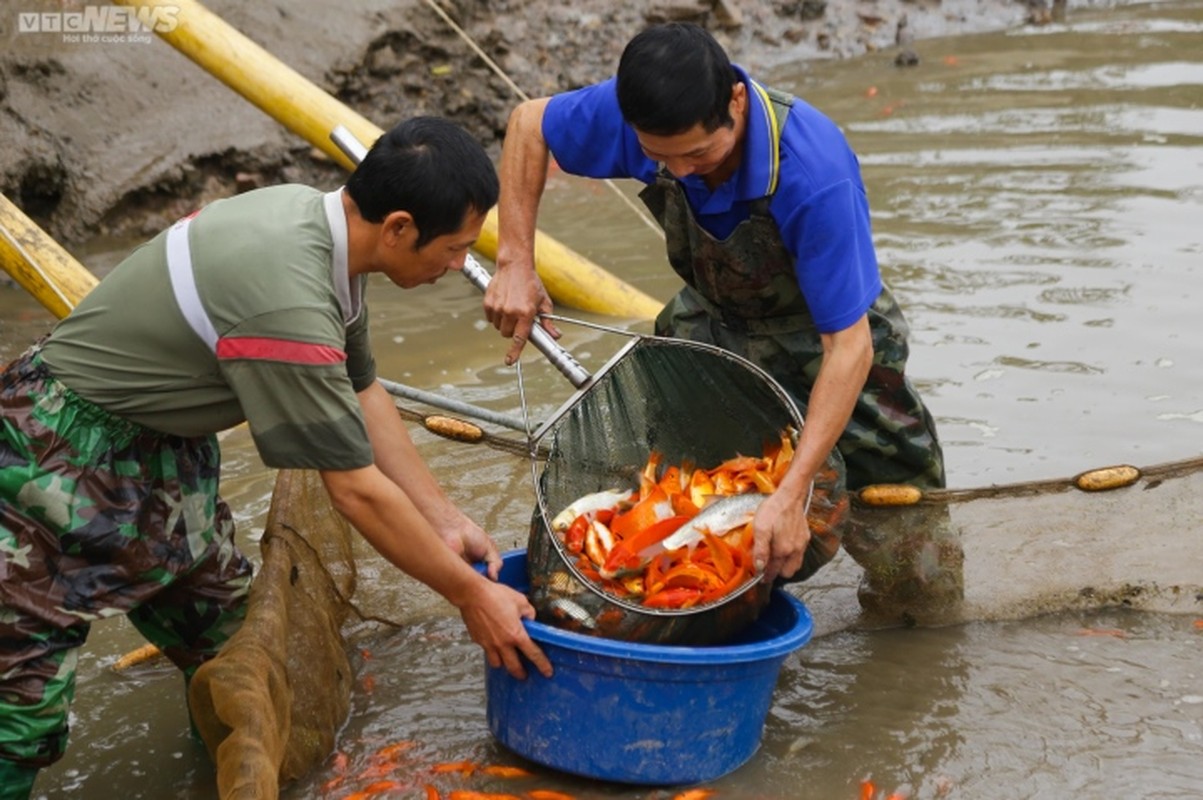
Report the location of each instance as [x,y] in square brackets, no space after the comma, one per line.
[119,137]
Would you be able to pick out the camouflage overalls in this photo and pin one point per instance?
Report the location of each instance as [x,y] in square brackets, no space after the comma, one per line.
[98,517]
[742,294]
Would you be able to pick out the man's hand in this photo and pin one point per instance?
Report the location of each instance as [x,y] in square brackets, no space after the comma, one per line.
[471,543]
[781,535]
[493,615]
[514,297]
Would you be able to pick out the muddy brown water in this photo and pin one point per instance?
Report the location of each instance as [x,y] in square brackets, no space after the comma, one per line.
[1037,197]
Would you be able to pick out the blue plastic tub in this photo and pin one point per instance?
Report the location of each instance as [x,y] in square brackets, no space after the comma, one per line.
[644,714]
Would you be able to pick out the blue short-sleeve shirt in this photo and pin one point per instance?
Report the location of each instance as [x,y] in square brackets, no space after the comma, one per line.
[819,204]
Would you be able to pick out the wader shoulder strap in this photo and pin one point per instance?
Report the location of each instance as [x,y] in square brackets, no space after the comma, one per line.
[183,283]
[776,106]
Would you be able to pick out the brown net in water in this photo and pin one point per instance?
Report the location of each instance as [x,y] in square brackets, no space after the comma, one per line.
[269,705]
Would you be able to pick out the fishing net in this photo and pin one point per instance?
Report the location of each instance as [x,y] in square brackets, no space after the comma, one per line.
[269,705]
[1113,537]
[692,404]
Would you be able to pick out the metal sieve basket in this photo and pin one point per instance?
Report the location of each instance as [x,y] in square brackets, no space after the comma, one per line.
[690,402]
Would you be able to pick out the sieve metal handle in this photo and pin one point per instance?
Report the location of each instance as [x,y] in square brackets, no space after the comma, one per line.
[560,358]
[346,141]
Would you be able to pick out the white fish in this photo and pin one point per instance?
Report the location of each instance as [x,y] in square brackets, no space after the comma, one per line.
[599,541]
[597,501]
[570,611]
[718,517]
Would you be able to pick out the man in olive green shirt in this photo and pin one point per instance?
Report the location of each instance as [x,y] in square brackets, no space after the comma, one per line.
[250,310]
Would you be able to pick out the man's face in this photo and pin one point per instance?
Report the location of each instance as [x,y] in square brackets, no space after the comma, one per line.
[696,152]
[408,266]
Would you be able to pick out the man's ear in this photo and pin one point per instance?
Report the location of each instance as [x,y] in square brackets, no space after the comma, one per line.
[739,98]
[397,225]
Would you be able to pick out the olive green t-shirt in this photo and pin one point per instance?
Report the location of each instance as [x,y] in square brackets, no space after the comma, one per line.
[270,269]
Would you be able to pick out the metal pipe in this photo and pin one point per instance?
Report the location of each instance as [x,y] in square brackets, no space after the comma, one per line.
[449,404]
[560,358]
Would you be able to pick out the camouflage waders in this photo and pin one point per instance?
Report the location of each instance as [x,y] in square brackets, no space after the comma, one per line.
[742,294]
[98,517]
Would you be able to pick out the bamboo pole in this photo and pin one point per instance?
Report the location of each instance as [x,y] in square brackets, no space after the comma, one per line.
[40,264]
[311,113]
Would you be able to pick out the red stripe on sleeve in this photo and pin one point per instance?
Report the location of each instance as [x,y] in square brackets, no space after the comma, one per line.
[267,349]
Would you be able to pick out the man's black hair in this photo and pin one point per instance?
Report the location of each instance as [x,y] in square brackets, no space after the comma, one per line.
[672,77]
[430,167]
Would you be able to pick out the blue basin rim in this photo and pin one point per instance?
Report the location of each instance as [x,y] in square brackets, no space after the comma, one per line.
[513,573]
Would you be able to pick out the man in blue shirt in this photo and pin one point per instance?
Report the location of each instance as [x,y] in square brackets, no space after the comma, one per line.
[767,222]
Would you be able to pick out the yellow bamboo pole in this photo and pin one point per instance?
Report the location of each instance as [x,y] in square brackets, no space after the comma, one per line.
[311,113]
[40,264]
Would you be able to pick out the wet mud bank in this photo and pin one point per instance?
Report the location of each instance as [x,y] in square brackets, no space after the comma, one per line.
[118,136]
